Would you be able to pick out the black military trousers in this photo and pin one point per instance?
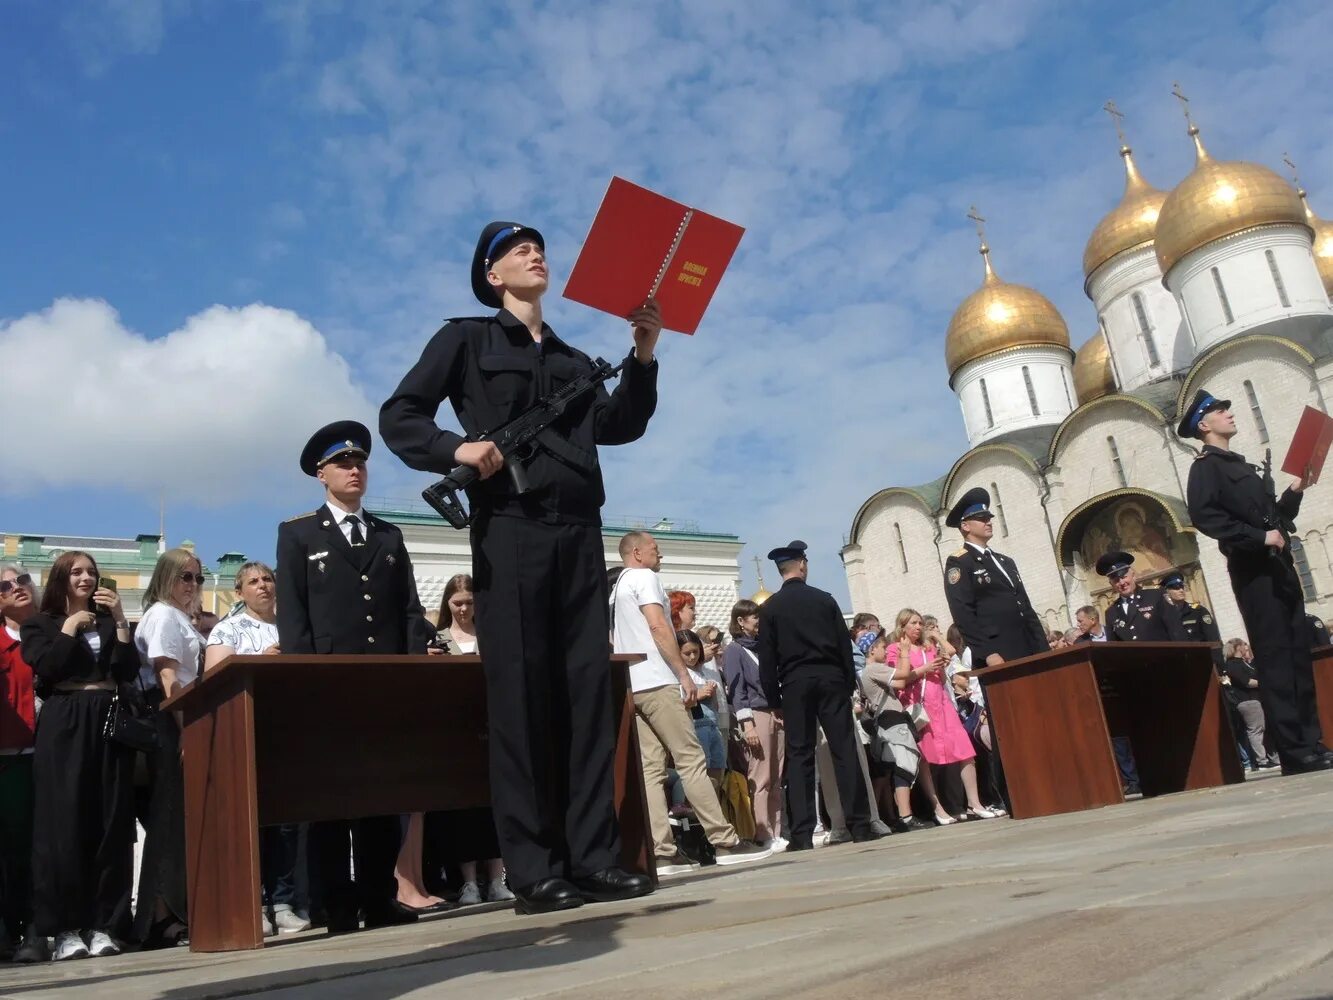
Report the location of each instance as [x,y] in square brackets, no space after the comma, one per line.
[810,699]
[374,843]
[542,630]
[1273,609]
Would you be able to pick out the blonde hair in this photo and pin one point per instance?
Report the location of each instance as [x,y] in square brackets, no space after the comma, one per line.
[900,623]
[170,565]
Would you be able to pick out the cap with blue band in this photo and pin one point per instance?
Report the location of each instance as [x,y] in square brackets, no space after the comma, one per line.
[1204,402]
[973,504]
[498,239]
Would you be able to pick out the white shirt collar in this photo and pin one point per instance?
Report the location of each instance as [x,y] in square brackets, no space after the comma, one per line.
[340,515]
[980,548]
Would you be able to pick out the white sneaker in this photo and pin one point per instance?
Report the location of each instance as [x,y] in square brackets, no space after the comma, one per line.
[497,891]
[677,864]
[470,896]
[69,945]
[266,925]
[288,921]
[100,945]
[777,845]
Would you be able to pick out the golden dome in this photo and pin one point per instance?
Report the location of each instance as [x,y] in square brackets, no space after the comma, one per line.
[1218,199]
[1093,376]
[1323,244]
[760,595]
[998,316]
[1132,223]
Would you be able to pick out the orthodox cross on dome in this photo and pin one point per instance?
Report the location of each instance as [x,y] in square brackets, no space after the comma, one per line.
[980,221]
[1295,176]
[759,571]
[1118,118]
[1200,153]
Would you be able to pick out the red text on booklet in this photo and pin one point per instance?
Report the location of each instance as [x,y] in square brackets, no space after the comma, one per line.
[642,245]
[1309,445]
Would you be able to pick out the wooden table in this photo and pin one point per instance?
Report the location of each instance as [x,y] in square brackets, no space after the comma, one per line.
[1050,715]
[1323,689]
[286,739]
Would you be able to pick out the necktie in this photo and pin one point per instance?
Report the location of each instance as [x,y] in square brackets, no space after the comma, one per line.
[357,537]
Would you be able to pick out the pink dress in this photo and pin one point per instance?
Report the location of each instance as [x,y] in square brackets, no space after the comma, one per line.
[944,740]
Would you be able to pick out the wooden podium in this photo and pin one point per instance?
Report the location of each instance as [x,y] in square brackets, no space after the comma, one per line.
[1323,689]
[1053,716]
[286,739]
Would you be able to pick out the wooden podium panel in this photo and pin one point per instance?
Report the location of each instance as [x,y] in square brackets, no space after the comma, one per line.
[286,739]
[1050,713]
[1323,689]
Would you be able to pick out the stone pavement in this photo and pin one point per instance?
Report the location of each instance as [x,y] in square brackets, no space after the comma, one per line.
[1225,893]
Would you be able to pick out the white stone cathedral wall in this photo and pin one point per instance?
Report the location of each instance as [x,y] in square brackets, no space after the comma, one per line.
[1248,280]
[879,585]
[1112,288]
[1084,458]
[1051,371]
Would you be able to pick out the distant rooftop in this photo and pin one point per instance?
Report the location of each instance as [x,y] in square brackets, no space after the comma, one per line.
[411,509]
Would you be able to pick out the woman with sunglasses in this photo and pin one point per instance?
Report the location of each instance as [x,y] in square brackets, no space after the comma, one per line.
[83,825]
[170,655]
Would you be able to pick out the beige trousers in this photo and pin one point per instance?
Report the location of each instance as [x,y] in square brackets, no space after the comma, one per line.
[828,780]
[665,727]
[765,774]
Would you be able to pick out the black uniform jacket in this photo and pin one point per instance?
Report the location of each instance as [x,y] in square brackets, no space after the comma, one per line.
[333,598]
[994,615]
[1227,502]
[1150,618]
[491,370]
[1199,626]
[801,630]
[56,657]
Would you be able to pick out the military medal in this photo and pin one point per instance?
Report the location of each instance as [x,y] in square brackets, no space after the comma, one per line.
[391,560]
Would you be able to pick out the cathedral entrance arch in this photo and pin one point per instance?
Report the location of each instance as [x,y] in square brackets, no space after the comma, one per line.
[1153,528]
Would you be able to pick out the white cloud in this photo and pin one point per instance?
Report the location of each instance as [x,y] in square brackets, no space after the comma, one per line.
[213,413]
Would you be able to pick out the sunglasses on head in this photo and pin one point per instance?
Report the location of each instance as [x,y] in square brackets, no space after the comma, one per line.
[193,578]
[22,580]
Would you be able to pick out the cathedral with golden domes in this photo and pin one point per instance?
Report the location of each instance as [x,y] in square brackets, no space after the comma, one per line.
[1224,282]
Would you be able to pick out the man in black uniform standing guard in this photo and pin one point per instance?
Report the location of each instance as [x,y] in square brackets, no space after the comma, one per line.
[345,585]
[986,596]
[1195,619]
[1230,501]
[806,669]
[537,562]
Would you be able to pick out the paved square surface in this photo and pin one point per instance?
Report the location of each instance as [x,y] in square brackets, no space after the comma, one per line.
[1223,893]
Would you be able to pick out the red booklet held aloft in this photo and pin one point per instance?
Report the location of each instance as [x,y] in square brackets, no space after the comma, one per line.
[1310,443]
[643,245]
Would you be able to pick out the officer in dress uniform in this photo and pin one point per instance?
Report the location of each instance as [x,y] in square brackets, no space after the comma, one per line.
[985,591]
[807,673]
[1195,619]
[345,585]
[989,603]
[1230,501]
[537,562]
[1139,614]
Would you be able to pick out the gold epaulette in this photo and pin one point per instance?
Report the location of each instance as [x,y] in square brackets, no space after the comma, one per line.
[960,553]
[298,517]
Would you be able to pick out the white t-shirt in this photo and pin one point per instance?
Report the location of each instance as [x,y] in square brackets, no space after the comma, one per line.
[165,630]
[635,589]
[244,633]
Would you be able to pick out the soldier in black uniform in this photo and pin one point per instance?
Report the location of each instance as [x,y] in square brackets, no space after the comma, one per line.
[345,585]
[538,564]
[1229,500]
[985,591]
[806,669]
[1138,614]
[1195,619]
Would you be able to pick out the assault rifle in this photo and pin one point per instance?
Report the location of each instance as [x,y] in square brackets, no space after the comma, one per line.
[1272,512]
[516,440]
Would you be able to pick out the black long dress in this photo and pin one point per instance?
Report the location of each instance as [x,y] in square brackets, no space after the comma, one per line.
[83,822]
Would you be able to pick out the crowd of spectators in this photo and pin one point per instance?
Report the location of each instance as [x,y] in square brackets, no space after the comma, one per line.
[73,786]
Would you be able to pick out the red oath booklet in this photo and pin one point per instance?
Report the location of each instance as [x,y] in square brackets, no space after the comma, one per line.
[1309,445]
[642,245]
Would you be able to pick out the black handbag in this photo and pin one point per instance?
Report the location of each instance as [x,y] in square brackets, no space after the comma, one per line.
[129,723]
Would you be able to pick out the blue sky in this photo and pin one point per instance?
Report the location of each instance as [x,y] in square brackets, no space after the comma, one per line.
[229,222]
